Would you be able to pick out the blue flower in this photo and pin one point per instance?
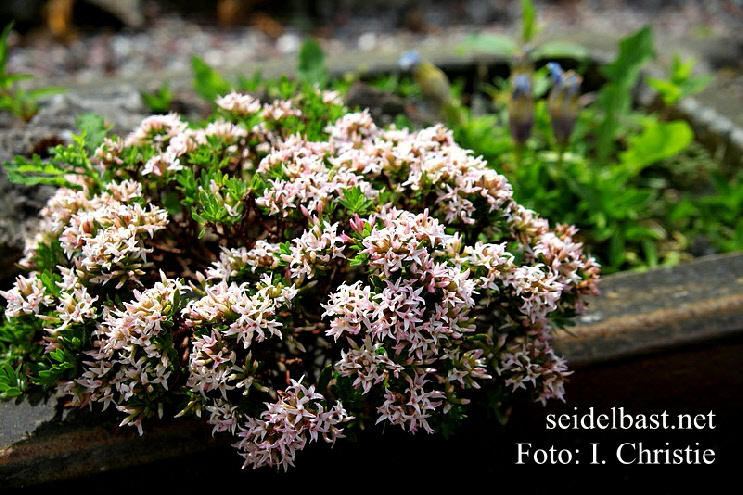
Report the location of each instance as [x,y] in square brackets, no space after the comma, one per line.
[521,107]
[563,102]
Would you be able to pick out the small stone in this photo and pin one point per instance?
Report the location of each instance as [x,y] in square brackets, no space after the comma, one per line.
[288,43]
[720,128]
[367,42]
[736,138]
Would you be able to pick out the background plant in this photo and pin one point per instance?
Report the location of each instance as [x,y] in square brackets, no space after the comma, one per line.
[611,178]
[21,102]
[617,177]
[682,82]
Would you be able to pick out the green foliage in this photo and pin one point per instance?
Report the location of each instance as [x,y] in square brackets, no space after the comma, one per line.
[207,82]
[714,217]
[17,346]
[557,49]
[529,21]
[72,158]
[33,172]
[682,82]
[21,102]
[500,44]
[60,364]
[400,84]
[92,131]
[611,178]
[615,96]
[250,84]
[215,192]
[488,43]
[311,64]
[12,381]
[355,202]
[657,141]
[159,100]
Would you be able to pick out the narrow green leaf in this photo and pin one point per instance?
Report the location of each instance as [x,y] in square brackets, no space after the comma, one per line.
[311,64]
[488,43]
[529,21]
[207,82]
[4,47]
[94,130]
[561,49]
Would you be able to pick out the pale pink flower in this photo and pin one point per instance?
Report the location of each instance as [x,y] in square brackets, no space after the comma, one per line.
[286,427]
[157,129]
[411,408]
[239,104]
[27,297]
[368,363]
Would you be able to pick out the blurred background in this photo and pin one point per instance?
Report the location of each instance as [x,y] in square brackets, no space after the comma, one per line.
[88,38]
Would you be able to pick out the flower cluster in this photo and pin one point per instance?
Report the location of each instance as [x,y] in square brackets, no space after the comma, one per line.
[284,427]
[291,270]
[27,296]
[132,360]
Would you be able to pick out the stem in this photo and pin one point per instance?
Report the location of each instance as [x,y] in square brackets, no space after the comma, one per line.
[560,155]
[518,154]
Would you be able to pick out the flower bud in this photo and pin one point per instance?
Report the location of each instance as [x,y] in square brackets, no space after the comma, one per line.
[563,102]
[521,108]
[521,104]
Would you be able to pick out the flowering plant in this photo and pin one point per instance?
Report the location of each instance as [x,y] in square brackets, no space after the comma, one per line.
[288,272]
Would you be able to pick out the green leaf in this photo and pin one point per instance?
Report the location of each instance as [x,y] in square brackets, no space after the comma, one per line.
[615,97]
[355,201]
[258,184]
[325,376]
[561,49]
[488,43]
[529,21]
[208,83]
[36,172]
[681,83]
[644,233]
[669,91]
[617,250]
[58,355]
[252,83]
[12,381]
[285,247]
[4,48]
[359,259]
[159,100]
[37,93]
[657,141]
[681,69]
[94,130]
[311,65]
[10,79]
[49,280]
[634,51]
[651,253]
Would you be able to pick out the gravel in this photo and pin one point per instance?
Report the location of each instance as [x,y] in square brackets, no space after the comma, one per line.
[167,42]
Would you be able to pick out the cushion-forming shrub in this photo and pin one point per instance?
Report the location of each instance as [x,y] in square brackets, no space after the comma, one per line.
[291,270]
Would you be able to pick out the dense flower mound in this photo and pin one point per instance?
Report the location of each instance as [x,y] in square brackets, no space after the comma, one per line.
[291,270]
